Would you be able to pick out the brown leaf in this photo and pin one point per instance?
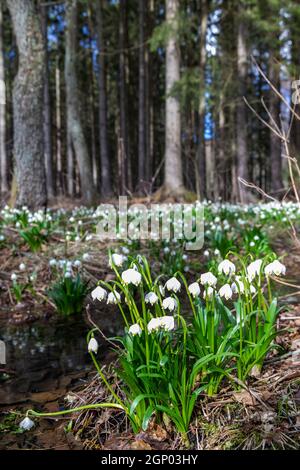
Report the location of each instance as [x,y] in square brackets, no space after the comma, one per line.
[245,398]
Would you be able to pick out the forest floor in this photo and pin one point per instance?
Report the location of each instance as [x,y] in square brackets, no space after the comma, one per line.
[264,414]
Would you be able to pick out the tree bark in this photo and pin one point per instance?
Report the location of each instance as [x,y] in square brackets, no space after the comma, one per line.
[28,105]
[275,143]
[123,138]
[173,178]
[242,69]
[3,154]
[47,110]
[106,188]
[74,124]
[203,165]
[142,110]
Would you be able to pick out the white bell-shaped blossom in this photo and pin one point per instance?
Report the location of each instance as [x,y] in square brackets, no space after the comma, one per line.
[131,276]
[93,345]
[226,267]
[173,285]
[208,279]
[194,289]
[225,292]
[169,304]
[99,293]
[151,298]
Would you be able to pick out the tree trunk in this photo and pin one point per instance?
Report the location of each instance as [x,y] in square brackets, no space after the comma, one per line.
[241,119]
[28,105]
[173,164]
[59,176]
[142,110]
[47,110]
[123,139]
[275,143]
[3,154]
[106,188]
[203,165]
[74,124]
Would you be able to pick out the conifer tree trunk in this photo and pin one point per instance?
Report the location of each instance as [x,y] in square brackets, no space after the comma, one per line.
[3,153]
[106,188]
[173,163]
[241,118]
[28,105]
[74,123]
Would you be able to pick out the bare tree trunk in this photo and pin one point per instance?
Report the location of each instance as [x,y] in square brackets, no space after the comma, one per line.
[106,188]
[59,179]
[203,164]
[123,90]
[47,110]
[74,124]
[142,110]
[28,105]
[275,143]
[173,163]
[3,154]
[242,69]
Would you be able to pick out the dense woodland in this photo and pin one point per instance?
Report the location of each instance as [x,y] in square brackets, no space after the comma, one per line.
[109,97]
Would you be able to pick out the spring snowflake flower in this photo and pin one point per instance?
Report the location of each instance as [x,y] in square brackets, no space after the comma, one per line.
[117,260]
[169,304]
[22,267]
[135,329]
[208,293]
[26,424]
[85,257]
[253,269]
[52,262]
[166,323]
[13,277]
[225,291]
[208,279]
[217,252]
[173,285]
[131,276]
[276,268]
[93,345]
[194,289]
[206,253]
[238,286]
[77,263]
[151,298]
[99,293]
[113,297]
[226,267]
[161,290]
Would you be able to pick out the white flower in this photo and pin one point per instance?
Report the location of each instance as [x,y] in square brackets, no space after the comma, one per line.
[68,274]
[93,345]
[173,285]
[237,286]
[85,257]
[169,304]
[276,268]
[113,297]
[217,252]
[77,263]
[206,253]
[151,298]
[26,424]
[194,289]
[225,291]
[117,260]
[208,279]
[208,293]
[226,267]
[22,267]
[52,262]
[13,277]
[161,290]
[135,329]
[131,276]
[99,293]
[167,323]
[253,269]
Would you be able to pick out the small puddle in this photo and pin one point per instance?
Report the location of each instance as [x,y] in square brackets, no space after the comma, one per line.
[45,355]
